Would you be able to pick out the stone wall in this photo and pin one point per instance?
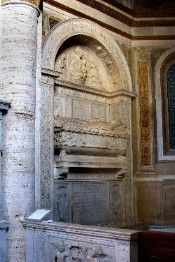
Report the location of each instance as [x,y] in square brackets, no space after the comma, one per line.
[154,170]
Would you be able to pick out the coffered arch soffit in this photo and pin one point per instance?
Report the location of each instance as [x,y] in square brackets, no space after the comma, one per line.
[97,39]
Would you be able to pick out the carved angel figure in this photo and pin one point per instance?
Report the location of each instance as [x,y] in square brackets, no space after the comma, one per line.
[94,77]
[62,253]
[61,66]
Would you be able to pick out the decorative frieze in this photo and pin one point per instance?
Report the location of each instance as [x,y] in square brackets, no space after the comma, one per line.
[145,123]
[79,253]
[92,126]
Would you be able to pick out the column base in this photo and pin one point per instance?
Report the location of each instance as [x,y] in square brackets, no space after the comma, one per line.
[4,225]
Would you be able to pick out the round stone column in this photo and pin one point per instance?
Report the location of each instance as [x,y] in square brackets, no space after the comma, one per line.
[18,45]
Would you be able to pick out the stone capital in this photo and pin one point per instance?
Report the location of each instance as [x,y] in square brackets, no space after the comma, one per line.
[37,3]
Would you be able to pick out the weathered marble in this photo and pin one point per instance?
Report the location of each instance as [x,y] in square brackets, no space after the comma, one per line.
[99,41]
[90,110]
[51,241]
[89,202]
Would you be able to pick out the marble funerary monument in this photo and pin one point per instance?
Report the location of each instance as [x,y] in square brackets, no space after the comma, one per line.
[83,150]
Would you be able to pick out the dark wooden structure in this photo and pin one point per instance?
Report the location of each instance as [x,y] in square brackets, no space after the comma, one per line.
[156,245]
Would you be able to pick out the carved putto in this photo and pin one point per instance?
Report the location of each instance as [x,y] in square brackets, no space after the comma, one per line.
[94,76]
[75,252]
[61,66]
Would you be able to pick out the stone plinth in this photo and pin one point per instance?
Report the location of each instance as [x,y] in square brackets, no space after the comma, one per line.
[4,225]
[56,241]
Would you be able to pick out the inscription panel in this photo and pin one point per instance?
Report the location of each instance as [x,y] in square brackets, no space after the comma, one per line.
[84,202]
[90,203]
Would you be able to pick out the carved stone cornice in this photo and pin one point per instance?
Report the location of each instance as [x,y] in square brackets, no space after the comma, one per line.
[50,73]
[63,162]
[130,19]
[88,89]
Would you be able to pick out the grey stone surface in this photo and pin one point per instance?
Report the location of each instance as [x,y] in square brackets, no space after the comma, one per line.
[88,202]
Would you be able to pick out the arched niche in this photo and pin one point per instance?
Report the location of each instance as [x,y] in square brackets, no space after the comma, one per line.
[91,123]
[98,40]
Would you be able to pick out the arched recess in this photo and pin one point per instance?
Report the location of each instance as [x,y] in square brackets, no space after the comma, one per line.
[98,40]
[92,127]
[161,69]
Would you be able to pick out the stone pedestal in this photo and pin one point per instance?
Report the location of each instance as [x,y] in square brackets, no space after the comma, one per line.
[4,225]
[18,47]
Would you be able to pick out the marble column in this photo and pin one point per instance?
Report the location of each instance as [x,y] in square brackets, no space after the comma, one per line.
[4,225]
[18,47]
